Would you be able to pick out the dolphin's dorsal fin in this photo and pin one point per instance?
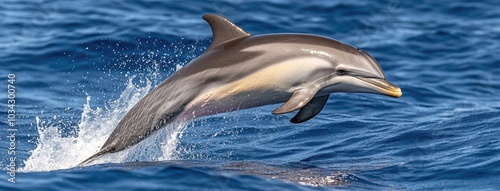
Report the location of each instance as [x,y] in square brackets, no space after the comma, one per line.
[223,30]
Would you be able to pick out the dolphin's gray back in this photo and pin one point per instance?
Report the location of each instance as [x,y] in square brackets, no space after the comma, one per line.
[241,57]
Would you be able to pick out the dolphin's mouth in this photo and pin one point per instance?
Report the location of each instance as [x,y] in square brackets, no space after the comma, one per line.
[383,86]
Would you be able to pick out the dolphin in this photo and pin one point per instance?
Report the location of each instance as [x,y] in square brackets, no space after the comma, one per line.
[240,71]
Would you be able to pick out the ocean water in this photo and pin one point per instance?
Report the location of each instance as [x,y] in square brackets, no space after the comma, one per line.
[79,66]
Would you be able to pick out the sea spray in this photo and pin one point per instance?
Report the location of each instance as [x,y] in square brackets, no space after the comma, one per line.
[55,151]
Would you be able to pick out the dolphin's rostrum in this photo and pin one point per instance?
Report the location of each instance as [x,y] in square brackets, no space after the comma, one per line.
[240,71]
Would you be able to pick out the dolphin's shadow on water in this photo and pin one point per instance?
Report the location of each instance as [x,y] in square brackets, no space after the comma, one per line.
[295,173]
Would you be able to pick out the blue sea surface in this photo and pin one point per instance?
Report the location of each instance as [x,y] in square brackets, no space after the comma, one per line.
[79,66]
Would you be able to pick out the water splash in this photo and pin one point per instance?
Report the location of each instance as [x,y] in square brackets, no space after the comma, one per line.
[56,151]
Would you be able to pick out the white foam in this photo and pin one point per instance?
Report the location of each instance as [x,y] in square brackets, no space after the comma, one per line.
[55,151]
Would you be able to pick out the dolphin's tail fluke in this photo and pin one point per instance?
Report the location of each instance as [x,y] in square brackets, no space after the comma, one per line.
[93,157]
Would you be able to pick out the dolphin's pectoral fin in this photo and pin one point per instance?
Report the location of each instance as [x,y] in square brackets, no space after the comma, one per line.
[310,110]
[299,99]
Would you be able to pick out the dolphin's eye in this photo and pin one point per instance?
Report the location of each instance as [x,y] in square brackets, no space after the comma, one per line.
[341,71]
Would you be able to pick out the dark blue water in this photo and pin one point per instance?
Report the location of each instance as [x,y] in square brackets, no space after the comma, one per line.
[80,65]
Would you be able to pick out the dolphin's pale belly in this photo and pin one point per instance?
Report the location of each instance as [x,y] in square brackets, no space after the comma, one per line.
[211,103]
